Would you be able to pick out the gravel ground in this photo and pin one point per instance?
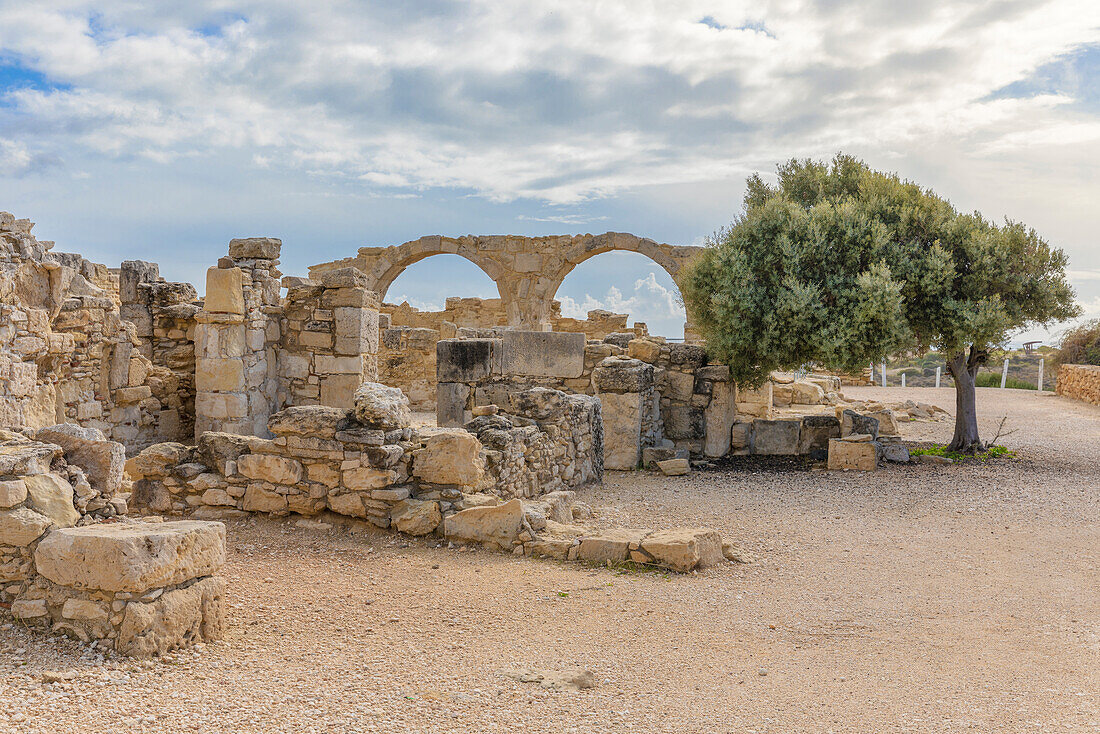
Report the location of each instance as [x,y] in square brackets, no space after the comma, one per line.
[918,599]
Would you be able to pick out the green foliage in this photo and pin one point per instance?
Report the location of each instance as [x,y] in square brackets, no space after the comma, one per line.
[993,379]
[991,452]
[1081,345]
[839,265]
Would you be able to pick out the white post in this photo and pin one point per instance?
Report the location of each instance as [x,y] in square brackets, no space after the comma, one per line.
[1041,361]
[938,376]
[872,373]
[903,379]
[1004,374]
[884,374]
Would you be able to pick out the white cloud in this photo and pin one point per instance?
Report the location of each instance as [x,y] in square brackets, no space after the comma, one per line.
[650,302]
[559,100]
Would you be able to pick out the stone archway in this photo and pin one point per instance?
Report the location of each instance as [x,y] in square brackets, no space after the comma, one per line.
[527,270]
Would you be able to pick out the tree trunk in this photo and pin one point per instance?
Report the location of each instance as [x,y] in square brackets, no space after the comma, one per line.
[964,370]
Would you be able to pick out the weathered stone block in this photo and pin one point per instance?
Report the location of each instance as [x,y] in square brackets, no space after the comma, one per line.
[816,432]
[617,374]
[499,525]
[21,526]
[451,399]
[852,422]
[52,496]
[88,448]
[542,354]
[132,557]
[380,407]
[178,618]
[777,437]
[610,545]
[853,455]
[270,468]
[258,248]
[219,375]
[258,498]
[622,421]
[224,290]
[449,456]
[12,492]
[681,549]
[467,360]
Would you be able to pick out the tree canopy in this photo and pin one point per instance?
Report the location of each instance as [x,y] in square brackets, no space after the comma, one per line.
[838,265]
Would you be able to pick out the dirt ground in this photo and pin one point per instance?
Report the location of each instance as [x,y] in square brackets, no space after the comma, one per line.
[916,599]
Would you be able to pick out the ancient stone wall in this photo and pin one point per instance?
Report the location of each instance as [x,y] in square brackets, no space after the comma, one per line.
[330,340]
[527,270]
[408,337]
[1080,382]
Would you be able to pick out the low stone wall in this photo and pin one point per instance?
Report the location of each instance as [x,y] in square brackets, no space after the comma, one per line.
[1080,382]
[140,588]
[368,463]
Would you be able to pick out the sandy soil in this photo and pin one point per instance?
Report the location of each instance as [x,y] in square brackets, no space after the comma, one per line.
[917,599]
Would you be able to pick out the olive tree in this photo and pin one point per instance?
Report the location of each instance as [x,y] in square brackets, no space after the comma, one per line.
[838,265]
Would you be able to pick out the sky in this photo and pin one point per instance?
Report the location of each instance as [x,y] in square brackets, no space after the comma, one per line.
[159,131]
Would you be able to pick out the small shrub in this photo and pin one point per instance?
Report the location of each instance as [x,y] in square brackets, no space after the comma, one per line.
[990,452]
[1081,344]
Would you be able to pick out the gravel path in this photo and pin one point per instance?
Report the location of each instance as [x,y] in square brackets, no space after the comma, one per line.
[918,599]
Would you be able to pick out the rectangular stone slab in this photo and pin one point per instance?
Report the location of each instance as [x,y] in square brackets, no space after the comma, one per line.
[543,354]
[131,557]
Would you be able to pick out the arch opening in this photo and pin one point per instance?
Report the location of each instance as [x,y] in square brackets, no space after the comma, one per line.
[627,282]
[439,283]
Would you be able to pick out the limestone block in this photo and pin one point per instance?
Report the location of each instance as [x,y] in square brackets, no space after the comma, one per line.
[318,421]
[270,468]
[681,549]
[622,421]
[356,330]
[416,517]
[85,610]
[258,498]
[816,432]
[380,407]
[365,477]
[12,492]
[680,386]
[349,503]
[219,375]
[719,417]
[887,422]
[498,525]
[177,618]
[847,455]
[542,354]
[133,557]
[644,350]
[741,435]
[653,454]
[102,460]
[449,456]
[621,375]
[684,423]
[220,406]
[255,248]
[338,391]
[345,278]
[777,437]
[674,467]
[23,457]
[29,609]
[224,290]
[133,272]
[612,545]
[451,399]
[852,422]
[52,496]
[804,392]
[328,365]
[467,360]
[156,460]
[21,526]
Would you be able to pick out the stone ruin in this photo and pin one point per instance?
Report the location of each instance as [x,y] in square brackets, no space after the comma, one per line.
[125,398]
